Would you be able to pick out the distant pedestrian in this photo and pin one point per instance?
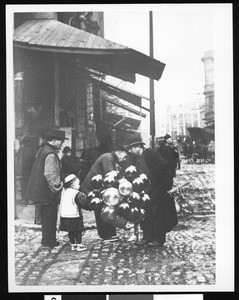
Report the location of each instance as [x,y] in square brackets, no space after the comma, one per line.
[176,154]
[169,153]
[160,216]
[71,218]
[45,184]
[71,164]
[105,163]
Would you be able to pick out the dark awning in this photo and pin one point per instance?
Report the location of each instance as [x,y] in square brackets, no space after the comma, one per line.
[121,93]
[120,122]
[106,56]
[125,107]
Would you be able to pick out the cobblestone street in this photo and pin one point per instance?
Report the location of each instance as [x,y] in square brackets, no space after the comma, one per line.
[188,257]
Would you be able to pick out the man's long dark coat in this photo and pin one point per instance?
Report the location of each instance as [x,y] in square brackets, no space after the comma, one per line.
[171,156]
[162,207]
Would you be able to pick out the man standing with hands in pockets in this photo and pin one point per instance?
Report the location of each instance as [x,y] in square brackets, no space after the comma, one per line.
[45,184]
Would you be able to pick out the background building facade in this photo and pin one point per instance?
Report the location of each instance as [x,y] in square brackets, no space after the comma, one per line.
[176,119]
[208,60]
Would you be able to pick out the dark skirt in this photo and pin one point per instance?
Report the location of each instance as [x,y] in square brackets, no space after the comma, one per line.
[71,224]
[164,211]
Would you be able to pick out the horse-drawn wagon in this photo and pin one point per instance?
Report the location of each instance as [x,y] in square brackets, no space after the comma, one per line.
[203,144]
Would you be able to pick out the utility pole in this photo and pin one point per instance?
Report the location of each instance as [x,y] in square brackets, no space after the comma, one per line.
[151,84]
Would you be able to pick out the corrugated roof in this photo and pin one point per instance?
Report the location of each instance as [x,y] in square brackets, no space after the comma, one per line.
[110,57]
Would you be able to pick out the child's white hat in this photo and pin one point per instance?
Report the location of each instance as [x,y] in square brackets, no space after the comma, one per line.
[69,180]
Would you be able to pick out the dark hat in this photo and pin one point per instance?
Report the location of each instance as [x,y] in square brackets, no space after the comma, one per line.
[134,144]
[66,149]
[25,140]
[167,136]
[29,140]
[134,140]
[121,147]
[56,133]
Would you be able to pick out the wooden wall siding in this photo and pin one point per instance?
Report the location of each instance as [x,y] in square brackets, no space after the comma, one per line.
[56,92]
[39,92]
[54,33]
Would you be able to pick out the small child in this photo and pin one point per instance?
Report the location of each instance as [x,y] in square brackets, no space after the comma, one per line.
[71,219]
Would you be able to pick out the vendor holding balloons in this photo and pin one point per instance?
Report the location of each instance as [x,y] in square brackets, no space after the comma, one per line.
[95,179]
[160,216]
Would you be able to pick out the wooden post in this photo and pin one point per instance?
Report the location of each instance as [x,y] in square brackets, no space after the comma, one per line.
[56,92]
[151,87]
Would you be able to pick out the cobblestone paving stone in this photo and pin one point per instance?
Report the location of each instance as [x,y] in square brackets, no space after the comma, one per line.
[188,258]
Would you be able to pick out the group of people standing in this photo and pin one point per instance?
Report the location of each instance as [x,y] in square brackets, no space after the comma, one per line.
[48,188]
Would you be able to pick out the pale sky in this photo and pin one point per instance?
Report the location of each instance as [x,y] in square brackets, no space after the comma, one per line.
[181,36]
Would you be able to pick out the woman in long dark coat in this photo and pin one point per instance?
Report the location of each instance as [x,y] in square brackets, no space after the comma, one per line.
[70,163]
[161,216]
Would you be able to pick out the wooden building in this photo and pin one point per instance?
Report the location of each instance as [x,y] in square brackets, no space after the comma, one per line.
[59,72]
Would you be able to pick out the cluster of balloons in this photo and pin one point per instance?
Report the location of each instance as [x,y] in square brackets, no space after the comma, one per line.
[120,200]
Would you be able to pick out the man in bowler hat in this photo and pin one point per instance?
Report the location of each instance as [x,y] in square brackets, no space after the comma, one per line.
[45,185]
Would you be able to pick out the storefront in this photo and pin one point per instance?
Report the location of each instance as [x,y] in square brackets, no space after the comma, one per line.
[59,79]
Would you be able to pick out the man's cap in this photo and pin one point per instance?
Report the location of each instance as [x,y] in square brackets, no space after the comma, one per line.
[121,147]
[135,144]
[56,133]
[134,140]
[167,136]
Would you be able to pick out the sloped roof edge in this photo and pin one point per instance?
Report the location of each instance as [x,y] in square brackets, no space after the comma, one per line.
[54,36]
